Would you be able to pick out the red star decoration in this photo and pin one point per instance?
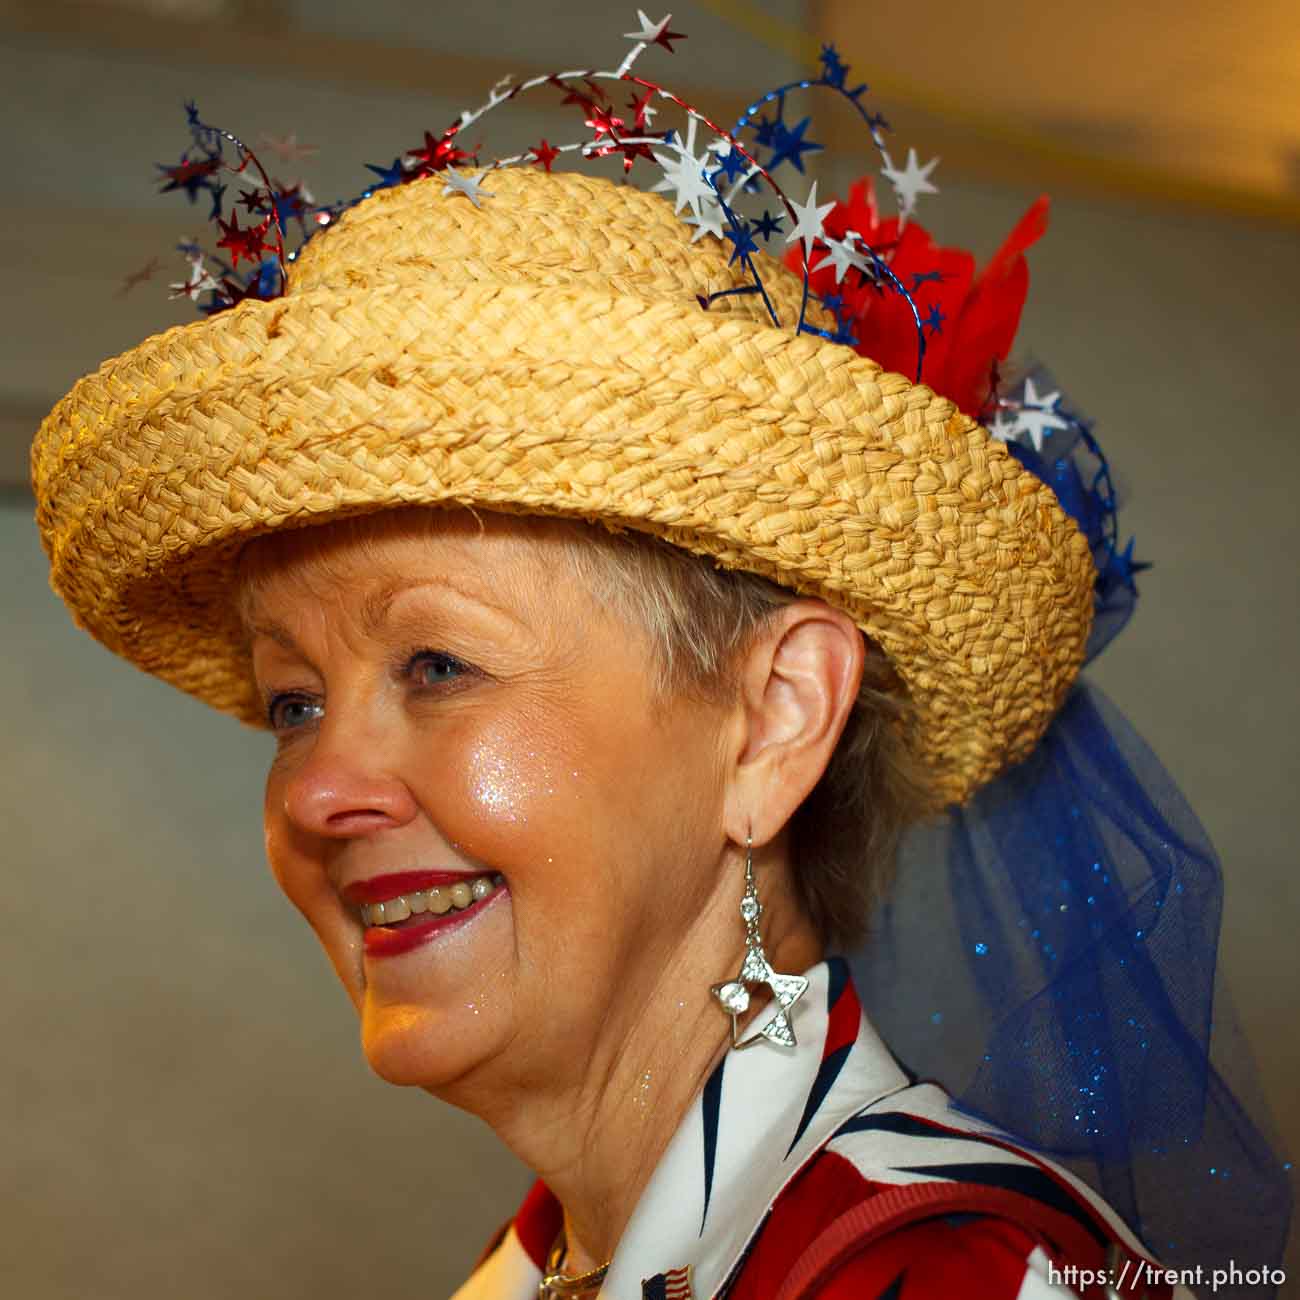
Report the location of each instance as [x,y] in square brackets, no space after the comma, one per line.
[666,37]
[631,151]
[438,155]
[254,201]
[545,154]
[603,122]
[187,173]
[247,243]
[639,106]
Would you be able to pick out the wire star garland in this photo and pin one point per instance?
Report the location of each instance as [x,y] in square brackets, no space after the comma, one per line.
[707,187]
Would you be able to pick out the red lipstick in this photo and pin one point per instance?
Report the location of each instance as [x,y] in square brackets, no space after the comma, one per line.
[382,942]
[379,889]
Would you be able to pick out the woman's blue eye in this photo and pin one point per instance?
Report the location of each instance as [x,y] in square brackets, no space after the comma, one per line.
[435,658]
[279,707]
[278,704]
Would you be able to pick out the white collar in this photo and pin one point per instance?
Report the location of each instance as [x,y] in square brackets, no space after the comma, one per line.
[763,1113]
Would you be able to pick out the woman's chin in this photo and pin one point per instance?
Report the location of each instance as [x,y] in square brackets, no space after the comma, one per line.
[413,1046]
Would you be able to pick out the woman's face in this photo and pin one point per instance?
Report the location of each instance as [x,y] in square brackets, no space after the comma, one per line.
[450,706]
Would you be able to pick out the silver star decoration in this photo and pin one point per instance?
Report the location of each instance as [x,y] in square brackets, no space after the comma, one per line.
[1002,428]
[844,254]
[650,32]
[809,219]
[733,996]
[684,174]
[200,280]
[910,183]
[1037,415]
[458,183]
[786,990]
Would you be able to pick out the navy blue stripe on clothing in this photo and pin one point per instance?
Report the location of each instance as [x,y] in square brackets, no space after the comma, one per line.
[712,1105]
[1025,1177]
[827,1073]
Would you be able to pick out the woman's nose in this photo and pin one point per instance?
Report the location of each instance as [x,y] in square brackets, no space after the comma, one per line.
[346,787]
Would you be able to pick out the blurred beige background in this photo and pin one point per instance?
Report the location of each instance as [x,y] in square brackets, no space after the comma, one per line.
[187,1112]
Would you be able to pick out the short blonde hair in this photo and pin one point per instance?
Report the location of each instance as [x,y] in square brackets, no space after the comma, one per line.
[701,619]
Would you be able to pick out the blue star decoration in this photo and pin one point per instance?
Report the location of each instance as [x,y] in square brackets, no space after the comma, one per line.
[765,131]
[733,166]
[768,225]
[934,322]
[791,146]
[925,277]
[1121,568]
[393,175]
[833,70]
[741,236]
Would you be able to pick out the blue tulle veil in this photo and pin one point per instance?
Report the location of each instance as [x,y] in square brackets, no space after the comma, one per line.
[1049,956]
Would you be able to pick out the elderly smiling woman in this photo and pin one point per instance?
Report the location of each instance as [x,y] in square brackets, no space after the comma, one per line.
[610,646]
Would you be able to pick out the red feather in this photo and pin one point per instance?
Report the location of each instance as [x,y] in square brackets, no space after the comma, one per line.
[980,313]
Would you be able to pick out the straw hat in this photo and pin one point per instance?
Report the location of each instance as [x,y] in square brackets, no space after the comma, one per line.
[545,352]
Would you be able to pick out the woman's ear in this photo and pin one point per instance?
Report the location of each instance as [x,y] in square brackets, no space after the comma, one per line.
[798,684]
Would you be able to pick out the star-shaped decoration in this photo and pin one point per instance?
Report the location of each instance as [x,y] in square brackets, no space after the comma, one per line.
[768,225]
[1002,428]
[910,183]
[765,131]
[436,156]
[388,176]
[603,122]
[544,154]
[1037,415]
[707,221]
[146,272]
[459,183]
[734,163]
[935,321]
[190,175]
[287,148]
[833,70]
[1121,567]
[253,201]
[291,201]
[739,234]
[246,242]
[790,146]
[926,277]
[655,33]
[844,254]
[645,114]
[733,996]
[218,193]
[200,280]
[809,219]
[685,175]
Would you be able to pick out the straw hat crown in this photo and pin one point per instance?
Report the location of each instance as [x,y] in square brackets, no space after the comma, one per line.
[546,352]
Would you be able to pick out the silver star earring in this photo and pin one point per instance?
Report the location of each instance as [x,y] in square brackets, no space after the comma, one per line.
[756,969]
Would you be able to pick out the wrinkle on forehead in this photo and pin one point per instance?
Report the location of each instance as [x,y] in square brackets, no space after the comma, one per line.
[507,561]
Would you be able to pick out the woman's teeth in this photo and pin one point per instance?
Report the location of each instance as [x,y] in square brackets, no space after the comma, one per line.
[439,899]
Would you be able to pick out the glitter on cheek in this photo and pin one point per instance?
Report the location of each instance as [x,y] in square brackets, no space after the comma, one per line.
[493,785]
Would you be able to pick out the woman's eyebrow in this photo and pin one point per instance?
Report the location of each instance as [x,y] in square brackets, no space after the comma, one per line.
[375,608]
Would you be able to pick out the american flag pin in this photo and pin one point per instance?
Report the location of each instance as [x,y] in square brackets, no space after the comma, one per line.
[673,1285]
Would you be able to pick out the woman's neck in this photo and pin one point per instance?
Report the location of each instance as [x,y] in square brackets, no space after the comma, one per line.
[594,1130]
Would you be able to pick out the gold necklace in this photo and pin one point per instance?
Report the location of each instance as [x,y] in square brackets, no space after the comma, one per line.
[556,1285]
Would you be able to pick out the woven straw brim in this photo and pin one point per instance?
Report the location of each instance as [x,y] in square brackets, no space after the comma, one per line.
[609,396]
